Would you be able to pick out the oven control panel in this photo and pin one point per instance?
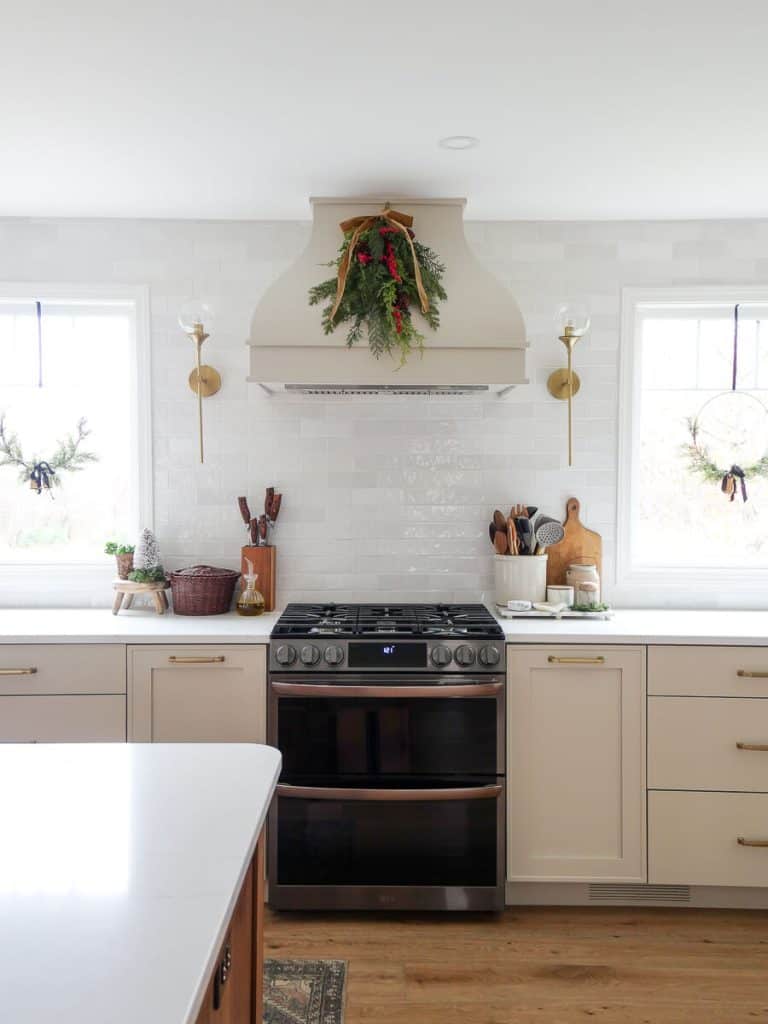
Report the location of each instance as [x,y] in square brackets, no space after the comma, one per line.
[333,655]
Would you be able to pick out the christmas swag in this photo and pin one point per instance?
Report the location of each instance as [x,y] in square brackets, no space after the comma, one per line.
[382,272]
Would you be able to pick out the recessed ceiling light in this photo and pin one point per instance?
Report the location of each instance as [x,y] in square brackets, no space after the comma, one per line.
[458,142]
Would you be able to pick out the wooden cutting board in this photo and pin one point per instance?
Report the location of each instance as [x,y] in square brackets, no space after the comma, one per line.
[578,545]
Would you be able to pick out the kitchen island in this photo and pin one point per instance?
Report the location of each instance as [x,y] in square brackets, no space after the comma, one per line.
[131,882]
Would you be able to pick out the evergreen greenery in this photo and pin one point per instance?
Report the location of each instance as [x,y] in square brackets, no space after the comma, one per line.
[700,462]
[156,575]
[381,290]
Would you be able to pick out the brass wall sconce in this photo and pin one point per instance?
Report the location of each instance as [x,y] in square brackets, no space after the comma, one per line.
[203,380]
[573,322]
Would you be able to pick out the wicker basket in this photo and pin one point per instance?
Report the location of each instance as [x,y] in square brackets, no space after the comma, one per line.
[202,590]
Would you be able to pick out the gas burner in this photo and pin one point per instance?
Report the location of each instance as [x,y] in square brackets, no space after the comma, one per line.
[409,621]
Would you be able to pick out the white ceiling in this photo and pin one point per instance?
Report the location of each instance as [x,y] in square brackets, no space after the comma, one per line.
[601,109]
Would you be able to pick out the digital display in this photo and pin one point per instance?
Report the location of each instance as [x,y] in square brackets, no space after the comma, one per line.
[387,655]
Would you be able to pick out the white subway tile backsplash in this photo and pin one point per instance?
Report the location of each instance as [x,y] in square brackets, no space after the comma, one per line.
[386,499]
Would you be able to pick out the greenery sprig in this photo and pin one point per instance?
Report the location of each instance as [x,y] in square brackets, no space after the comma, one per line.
[700,461]
[381,289]
[43,473]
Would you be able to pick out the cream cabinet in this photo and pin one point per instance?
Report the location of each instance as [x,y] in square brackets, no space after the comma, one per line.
[197,693]
[576,764]
[62,693]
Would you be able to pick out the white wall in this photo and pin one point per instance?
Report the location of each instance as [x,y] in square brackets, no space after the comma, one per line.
[382,499]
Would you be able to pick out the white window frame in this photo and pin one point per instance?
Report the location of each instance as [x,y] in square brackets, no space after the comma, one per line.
[674,587]
[88,584]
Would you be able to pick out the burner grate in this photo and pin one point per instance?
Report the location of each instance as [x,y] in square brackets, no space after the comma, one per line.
[402,620]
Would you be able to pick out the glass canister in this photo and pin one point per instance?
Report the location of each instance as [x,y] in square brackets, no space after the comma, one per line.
[585,580]
[250,601]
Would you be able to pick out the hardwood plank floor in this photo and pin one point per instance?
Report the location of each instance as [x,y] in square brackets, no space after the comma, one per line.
[551,965]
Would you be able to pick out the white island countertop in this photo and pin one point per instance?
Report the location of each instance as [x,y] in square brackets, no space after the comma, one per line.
[119,869]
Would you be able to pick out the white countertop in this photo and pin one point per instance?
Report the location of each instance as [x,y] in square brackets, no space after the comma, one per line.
[638,626]
[119,868]
[646,626]
[142,626]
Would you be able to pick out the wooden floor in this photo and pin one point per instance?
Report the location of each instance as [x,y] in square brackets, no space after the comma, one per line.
[543,965]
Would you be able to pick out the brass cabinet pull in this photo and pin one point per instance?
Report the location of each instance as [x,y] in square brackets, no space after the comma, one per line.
[554,660]
[751,842]
[212,660]
[752,746]
[17,671]
[744,673]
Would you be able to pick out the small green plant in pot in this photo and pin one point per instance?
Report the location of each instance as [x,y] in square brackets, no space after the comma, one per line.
[123,557]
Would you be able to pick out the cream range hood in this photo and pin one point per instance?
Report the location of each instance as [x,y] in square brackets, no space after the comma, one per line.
[479,346]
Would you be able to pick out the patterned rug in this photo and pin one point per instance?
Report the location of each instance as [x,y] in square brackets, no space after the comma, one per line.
[304,991]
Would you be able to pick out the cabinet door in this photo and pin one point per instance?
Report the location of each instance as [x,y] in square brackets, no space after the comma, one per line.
[197,694]
[68,719]
[576,764]
[35,669]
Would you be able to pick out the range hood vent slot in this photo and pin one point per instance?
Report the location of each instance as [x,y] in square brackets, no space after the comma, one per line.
[478,348]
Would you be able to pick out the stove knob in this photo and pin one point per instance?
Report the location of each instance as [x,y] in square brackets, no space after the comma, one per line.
[285,655]
[441,656]
[490,655]
[334,655]
[465,655]
[310,655]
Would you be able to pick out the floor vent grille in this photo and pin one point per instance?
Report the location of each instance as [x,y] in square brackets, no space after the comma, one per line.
[627,893]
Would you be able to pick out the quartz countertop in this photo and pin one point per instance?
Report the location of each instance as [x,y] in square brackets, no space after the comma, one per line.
[139,626]
[119,869]
[645,626]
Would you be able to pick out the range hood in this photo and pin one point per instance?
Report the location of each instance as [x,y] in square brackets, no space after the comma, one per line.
[478,348]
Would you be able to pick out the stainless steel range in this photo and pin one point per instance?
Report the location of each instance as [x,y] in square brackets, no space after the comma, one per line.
[391,723]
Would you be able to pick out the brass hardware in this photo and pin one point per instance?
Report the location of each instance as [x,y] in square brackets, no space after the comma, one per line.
[752,746]
[388,795]
[213,660]
[203,380]
[557,384]
[554,660]
[210,382]
[744,674]
[17,671]
[564,384]
[310,690]
[751,842]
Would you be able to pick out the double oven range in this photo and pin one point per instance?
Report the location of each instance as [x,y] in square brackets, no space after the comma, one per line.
[391,724]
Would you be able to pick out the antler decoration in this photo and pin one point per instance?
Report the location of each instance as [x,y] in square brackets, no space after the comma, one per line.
[41,474]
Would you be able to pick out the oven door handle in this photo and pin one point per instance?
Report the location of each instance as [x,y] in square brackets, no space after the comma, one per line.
[388,795]
[328,690]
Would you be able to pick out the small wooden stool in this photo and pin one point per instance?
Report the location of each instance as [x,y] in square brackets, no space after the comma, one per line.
[126,590]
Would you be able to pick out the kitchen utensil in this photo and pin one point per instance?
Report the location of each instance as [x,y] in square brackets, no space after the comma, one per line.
[578,545]
[500,542]
[492,531]
[548,531]
[514,547]
[531,511]
[525,534]
[500,520]
[245,512]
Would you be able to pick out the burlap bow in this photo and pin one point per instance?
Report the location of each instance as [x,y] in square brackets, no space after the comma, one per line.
[401,222]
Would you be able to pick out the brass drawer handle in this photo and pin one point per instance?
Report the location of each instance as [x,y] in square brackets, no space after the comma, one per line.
[17,671]
[752,746]
[554,660]
[751,842]
[213,660]
[744,673]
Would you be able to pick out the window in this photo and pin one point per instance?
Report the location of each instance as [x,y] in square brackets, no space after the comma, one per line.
[69,355]
[676,526]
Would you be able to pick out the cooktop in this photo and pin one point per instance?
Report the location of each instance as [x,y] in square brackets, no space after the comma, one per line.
[396,620]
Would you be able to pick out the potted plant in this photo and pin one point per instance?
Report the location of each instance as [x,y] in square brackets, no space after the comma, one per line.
[123,557]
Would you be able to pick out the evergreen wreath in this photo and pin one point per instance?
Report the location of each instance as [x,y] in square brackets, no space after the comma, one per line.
[700,462]
[42,474]
[382,271]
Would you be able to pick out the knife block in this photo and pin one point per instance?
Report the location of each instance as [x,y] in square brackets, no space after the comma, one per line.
[264,561]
